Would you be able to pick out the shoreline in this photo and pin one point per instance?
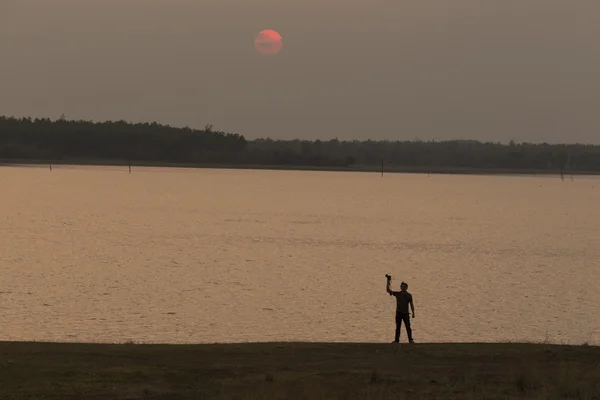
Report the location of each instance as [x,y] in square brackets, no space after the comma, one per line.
[357,168]
[298,370]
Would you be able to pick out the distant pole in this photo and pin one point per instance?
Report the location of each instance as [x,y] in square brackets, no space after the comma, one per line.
[381,167]
[562,177]
[50,167]
[130,167]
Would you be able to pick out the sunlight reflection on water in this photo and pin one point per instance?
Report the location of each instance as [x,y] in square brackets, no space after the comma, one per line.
[181,255]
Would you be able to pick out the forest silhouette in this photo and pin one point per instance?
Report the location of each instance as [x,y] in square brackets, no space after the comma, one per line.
[42,139]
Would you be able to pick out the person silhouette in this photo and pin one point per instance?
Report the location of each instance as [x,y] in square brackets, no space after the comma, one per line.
[403,300]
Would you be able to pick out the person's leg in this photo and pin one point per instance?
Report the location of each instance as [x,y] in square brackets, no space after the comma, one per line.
[406,318]
[398,325]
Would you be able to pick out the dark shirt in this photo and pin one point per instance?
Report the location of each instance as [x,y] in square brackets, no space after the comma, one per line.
[402,300]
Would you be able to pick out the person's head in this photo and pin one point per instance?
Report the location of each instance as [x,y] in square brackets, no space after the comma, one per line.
[403,286]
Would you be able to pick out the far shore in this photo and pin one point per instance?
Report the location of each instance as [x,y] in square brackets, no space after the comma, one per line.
[353,168]
[32,370]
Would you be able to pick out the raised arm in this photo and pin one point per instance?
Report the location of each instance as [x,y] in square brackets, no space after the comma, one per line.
[388,287]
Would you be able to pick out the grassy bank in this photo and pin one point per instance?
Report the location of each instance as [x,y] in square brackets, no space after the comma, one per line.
[353,168]
[298,371]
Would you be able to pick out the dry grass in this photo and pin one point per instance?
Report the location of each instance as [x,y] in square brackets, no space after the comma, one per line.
[298,371]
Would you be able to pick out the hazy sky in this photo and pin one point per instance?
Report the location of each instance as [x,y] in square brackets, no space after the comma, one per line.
[526,70]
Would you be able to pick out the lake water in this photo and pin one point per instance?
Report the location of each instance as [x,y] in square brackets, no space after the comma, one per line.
[96,254]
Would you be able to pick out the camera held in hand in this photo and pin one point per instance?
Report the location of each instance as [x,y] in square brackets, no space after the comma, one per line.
[388,276]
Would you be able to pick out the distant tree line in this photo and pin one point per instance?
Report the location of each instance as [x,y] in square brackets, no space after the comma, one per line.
[432,154]
[120,141]
[44,139]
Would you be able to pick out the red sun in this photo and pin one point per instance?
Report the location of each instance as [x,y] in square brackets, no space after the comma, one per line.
[268,42]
